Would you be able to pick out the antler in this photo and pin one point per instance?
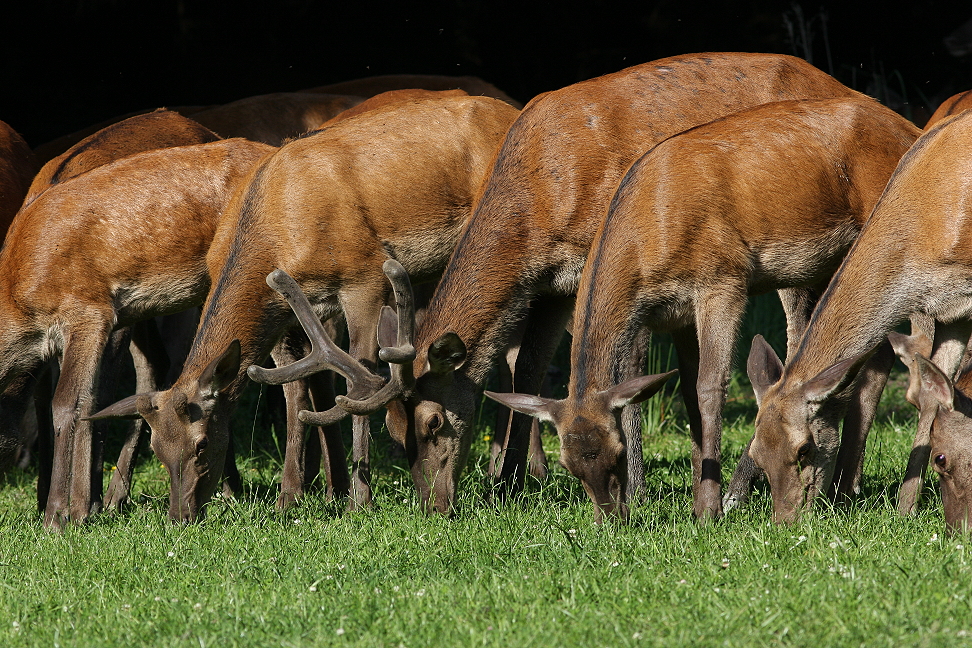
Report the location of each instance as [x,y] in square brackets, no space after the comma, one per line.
[400,356]
[368,392]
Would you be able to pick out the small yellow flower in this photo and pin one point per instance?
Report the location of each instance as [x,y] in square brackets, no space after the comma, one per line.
[486,437]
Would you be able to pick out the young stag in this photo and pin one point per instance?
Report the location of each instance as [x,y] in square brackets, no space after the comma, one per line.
[328,209]
[511,281]
[914,255]
[773,198]
[121,243]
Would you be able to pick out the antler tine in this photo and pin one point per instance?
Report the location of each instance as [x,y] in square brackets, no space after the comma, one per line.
[324,353]
[399,357]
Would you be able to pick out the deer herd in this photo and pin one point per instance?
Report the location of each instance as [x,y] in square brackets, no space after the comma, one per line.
[204,240]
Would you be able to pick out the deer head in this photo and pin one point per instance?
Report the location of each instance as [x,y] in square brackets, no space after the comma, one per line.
[592,447]
[195,461]
[797,430]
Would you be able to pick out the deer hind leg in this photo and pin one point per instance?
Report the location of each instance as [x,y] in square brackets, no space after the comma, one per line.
[72,497]
[330,439]
[798,305]
[151,365]
[544,328]
[361,312]
[948,350]
[291,347]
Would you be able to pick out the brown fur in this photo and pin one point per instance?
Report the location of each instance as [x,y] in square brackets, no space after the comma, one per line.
[119,244]
[391,97]
[913,255]
[548,191]
[50,150]
[772,200]
[371,86]
[951,106]
[327,209]
[17,169]
[155,130]
[273,118]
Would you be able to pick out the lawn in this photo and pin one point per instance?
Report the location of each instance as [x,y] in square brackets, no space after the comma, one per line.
[533,572]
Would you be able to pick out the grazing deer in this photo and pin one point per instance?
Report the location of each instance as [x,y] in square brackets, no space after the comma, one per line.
[391,97]
[373,85]
[273,118]
[155,130]
[914,255]
[17,169]
[328,209]
[121,243]
[951,106]
[947,405]
[773,198]
[522,252]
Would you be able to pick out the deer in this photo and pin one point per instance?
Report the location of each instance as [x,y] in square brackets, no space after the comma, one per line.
[947,405]
[327,209]
[158,129]
[508,289]
[773,198]
[274,118]
[122,243]
[390,97]
[374,85]
[17,168]
[912,256]
[951,106]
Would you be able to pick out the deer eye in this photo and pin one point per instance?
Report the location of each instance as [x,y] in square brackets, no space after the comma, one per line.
[804,452]
[940,461]
[201,445]
[435,422]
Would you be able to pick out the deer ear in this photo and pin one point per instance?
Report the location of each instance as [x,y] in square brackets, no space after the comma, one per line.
[835,378]
[221,372]
[935,385]
[764,367]
[906,346]
[446,354]
[396,420]
[542,408]
[126,408]
[636,390]
[387,327]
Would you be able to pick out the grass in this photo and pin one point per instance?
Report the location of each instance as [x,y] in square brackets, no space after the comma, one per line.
[534,572]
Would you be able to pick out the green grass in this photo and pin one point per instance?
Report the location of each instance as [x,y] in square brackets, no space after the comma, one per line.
[534,572]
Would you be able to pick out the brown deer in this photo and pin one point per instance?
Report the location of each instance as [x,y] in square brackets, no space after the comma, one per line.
[17,169]
[121,243]
[273,118]
[522,252]
[773,198]
[373,85]
[948,406]
[914,255]
[155,130]
[328,209]
[391,97]
[951,106]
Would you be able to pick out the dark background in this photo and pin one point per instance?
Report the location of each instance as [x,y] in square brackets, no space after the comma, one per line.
[65,64]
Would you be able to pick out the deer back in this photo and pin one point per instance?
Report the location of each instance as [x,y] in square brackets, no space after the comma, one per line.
[17,168]
[273,118]
[155,130]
